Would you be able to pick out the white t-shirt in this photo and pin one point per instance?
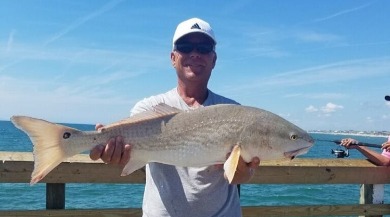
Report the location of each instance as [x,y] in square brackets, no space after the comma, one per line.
[186,191]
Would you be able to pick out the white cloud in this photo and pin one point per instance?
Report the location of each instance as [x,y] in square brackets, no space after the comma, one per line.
[10,40]
[317,95]
[326,110]
[343,12]
[385,117]
[311,36]
[369,119]
[287,115]
[330,108]
[333,73]
[311,109]
[108,6]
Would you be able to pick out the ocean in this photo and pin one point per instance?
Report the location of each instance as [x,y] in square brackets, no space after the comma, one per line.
[16,196]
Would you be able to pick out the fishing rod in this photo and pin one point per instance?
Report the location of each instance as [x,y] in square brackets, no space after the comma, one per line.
[345,153]
[359,143]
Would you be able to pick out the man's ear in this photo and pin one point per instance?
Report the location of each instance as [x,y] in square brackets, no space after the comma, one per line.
[214,60]
[173,59]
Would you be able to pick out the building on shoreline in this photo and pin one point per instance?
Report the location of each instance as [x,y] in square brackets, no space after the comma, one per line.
[353,132]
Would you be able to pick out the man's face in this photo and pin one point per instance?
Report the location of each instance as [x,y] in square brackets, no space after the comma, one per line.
[192,57]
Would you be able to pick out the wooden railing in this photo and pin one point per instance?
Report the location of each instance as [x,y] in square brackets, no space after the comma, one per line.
[16,167]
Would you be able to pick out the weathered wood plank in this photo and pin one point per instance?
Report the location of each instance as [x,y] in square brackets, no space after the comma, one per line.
[321,171]
[17,168]
[269,211]
[317,210]
[131,212]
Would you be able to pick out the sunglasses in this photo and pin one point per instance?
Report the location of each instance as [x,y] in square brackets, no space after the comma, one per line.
[202,48]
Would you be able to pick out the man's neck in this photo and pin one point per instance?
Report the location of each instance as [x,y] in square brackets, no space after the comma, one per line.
[193,97]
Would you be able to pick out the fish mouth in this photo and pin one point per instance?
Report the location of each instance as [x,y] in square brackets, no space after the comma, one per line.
[292,154]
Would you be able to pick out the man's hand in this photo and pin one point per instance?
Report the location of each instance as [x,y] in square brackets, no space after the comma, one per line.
[114,152]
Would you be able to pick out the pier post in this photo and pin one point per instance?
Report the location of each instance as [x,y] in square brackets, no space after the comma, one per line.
[55,196]
[372,194]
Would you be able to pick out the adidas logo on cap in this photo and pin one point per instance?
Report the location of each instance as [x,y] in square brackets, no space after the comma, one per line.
[195,26]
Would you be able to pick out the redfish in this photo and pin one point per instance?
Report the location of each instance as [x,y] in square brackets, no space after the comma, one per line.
[196,138]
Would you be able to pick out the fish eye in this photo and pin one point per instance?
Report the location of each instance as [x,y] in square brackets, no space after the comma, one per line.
[293,137]
[66,135]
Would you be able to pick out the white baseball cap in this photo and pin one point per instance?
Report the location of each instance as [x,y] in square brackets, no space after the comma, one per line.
[193,25]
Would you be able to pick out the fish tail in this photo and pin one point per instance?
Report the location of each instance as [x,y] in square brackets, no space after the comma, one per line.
[48,140]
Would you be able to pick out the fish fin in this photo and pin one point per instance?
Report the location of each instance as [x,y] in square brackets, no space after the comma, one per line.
[165,109]
[132,166]
[48,148]
[159,111]
[231,163]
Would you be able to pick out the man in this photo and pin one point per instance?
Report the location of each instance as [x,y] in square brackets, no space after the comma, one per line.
[380,159]
[183,191]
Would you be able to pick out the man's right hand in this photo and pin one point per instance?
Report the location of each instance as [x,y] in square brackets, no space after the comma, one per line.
[114,152]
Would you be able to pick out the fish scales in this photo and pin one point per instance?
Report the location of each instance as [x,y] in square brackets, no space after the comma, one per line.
[195,127]
[189,136]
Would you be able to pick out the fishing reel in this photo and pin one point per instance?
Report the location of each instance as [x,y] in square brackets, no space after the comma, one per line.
[340,153]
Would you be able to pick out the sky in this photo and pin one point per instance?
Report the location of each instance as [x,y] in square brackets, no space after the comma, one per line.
[323,65]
